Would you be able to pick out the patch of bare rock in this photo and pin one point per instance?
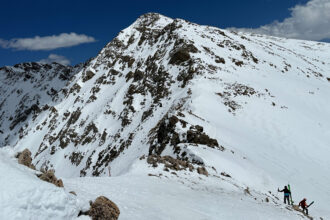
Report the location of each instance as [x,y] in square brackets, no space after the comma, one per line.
[171,163]
[101,209]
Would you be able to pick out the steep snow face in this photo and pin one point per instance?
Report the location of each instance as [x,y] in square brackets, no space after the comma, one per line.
[252,106]
[26,90]
[24,196]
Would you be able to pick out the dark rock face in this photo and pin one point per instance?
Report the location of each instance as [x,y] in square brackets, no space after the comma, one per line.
[165,133]
[22,116]
[220,60]
[104,209]
[196,135]
[179,57]
[88,75]
[182,54]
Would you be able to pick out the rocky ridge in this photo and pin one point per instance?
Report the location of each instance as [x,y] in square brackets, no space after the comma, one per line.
[134,97]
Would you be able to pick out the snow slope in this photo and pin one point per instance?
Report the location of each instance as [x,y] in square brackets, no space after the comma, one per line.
[24,196]
[172,197]
[252,106]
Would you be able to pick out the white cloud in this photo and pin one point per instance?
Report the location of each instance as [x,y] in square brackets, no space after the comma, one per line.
[57,59]
[3,43]
[47,42]
[309,22]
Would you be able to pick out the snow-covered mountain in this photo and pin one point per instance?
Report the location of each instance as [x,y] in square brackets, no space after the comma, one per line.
[251,110]
[26,90]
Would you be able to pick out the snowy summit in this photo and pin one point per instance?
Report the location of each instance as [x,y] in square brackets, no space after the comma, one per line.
[172,120]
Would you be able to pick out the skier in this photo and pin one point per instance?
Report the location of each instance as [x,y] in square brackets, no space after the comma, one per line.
[287,194]
[304,205]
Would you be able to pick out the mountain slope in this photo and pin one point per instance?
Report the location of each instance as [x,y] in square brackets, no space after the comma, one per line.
[26,90]
[251,106]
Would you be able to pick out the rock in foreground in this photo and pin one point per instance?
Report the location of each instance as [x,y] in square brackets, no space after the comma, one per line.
[103,208]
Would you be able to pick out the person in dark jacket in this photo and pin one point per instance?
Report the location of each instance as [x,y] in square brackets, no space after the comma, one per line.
[304,205]
[287,194]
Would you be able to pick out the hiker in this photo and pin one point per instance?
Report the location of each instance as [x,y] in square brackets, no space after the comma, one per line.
[304,205]
[287,194]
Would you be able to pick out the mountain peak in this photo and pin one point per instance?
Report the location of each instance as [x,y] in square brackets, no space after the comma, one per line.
[152,17]
[167,91]
[150,21]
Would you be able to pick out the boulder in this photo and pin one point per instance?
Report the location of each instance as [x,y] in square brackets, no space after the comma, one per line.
[25,158]
[103,208]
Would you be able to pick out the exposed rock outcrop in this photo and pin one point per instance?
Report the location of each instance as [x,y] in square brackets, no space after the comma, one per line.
[49,176]
[166,133]
[170,163]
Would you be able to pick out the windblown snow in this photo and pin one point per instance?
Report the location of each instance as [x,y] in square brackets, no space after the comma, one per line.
[192,122]
[24,196]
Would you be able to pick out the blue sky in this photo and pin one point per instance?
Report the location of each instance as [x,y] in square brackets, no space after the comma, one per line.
[88,25]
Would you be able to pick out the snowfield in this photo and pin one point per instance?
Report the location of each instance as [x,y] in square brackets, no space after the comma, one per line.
[251,110]
[138,195]
[24,196]
[148,197]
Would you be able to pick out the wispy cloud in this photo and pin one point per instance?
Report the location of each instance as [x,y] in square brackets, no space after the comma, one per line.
[47,42]
[56,58]
[310,22]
